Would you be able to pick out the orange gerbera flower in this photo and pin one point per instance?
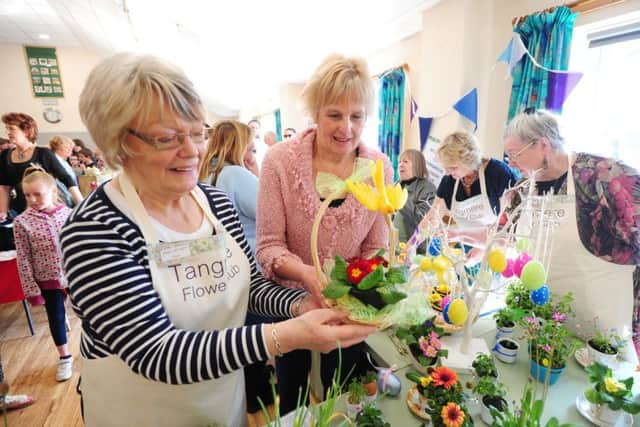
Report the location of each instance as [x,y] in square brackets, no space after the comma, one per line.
[443,376]
[452,415]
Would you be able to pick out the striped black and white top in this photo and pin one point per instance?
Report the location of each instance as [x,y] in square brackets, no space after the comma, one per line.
[105,259]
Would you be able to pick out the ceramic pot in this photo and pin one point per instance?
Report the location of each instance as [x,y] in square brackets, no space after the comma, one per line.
[506,350]
[599,356]
[505,331]
[497,402]
[539,372]
[353,409]
[606,415]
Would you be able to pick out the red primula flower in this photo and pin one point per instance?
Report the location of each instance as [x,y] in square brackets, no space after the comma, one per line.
[356,271]
[443,376]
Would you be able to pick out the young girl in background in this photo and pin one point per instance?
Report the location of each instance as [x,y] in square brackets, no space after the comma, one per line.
[37,237]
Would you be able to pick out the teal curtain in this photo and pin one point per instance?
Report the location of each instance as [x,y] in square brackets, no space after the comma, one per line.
[278,118]
[391,102]
[547,36]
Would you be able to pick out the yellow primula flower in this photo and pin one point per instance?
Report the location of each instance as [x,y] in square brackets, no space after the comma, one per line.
[545,362]
[613,385]
[425,381]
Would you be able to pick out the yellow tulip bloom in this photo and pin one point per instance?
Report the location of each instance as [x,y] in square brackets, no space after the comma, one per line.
[613,385]
[386,200]
[364,194]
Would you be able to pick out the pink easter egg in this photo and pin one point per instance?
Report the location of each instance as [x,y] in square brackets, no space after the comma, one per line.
[446,300]
[508,272]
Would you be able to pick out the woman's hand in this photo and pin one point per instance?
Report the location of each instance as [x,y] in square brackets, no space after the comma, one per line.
[313,284]
[320,330]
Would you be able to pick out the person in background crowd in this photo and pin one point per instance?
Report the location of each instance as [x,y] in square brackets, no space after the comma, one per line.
[76,166]
[23,132]
[86,158]
[11,401]
[339,96]
[99,159]
[289,133]
[475,203]
[412,169]
[79,145]
[63,147]
[162,346]
[36,232]
[254,124]
[270,139]
[5,144]
[224,167]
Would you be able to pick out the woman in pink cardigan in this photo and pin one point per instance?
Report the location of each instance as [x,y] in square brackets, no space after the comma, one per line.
[339,96]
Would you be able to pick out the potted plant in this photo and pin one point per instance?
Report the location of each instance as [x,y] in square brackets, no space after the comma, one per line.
[369,382]
[610,397]
[505,322]
[484,366]
[506,350]
[355,398]
[551,344]
[423,342]
[370,416]
[444,398]
[604,345]
[527,415]
[519,298]
[491,393]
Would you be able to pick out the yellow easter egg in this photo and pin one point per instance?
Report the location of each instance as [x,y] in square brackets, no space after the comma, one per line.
[441,263]
[458,312]
[497,260]
[425,264]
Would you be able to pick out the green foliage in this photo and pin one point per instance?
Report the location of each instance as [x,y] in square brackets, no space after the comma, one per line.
[606,390]
[397,275]
[372,279]
[356,392]
[335,290]
[519,297]
[369,376]
[528,415]
[489,386]
[390,295]
[484,365]
[339,272]
[370,416]
[505,317]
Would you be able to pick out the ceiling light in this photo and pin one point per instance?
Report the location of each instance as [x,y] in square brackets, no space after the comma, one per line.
[44,36]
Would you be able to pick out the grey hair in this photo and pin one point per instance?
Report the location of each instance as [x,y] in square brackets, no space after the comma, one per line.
[125,89]
[460,149]
[531,127]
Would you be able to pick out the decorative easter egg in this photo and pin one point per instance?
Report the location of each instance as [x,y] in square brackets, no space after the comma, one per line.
[508,271]
[523,244]
[520,262]
[440,263]
[435,246]
[426,264]
[458,312]
[445,300]
[541,295]
[445,313]
[497,260]
[388,382]
[484,277]
[533,275]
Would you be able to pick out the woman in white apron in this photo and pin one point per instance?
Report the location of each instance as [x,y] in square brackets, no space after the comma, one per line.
[159,270]
[469,195]
[595,247]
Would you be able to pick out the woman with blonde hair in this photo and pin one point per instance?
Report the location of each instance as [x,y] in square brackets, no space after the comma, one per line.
[62,147]
[159,270]
[339,97]
[475,203]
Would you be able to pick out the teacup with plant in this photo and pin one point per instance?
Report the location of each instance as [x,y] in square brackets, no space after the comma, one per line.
[484,366]
[491,392]
[610,396]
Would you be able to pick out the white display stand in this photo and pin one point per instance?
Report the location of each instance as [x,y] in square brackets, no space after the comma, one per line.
[459,361]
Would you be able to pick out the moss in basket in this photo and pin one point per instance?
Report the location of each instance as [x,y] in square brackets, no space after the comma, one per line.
[374,288]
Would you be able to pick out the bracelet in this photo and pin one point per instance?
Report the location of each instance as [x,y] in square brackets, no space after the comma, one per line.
[295,307]
[274,335]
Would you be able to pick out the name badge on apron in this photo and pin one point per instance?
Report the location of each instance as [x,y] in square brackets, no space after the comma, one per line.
[165,254]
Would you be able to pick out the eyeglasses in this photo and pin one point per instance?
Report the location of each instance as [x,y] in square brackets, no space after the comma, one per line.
[288,135]
[515,157]
[168,142]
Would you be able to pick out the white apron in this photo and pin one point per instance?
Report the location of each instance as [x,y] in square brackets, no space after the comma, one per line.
[205,289]
[599,288]
[475,211]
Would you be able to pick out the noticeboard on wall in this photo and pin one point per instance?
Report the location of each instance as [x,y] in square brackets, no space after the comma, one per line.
[44,72]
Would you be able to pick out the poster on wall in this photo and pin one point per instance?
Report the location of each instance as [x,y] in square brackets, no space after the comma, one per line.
[44,72]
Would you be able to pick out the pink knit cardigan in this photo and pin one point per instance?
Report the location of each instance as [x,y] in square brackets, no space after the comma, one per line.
[37,236]
[288,203]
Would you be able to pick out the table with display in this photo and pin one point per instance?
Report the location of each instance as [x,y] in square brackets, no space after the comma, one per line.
[561,396]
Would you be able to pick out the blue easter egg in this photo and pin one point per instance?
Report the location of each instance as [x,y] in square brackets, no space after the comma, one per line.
[435,246]
[541,295]
[388,383]
[445,313]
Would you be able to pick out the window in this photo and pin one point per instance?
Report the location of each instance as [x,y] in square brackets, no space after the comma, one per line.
[370,131]
[601,115]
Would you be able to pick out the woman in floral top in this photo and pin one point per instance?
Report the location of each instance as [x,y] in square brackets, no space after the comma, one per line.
[596,259]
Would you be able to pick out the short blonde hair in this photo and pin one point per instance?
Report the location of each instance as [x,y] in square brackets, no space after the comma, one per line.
[126,88]
[60,141]
[338,78]
[460,149]
[228,142]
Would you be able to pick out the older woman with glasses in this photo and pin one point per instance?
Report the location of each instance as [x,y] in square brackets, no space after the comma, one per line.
[159,270]
[598,239]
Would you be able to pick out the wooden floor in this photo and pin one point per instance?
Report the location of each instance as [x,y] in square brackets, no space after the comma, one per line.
[30,364]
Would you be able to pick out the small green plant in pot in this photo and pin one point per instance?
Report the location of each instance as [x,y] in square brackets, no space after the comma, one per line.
[604,344]
[355,398]
[369,383]
[505,322]
[528,414]
[424,343]
[370,416]
[611,397]
[484,366]
[491,392]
